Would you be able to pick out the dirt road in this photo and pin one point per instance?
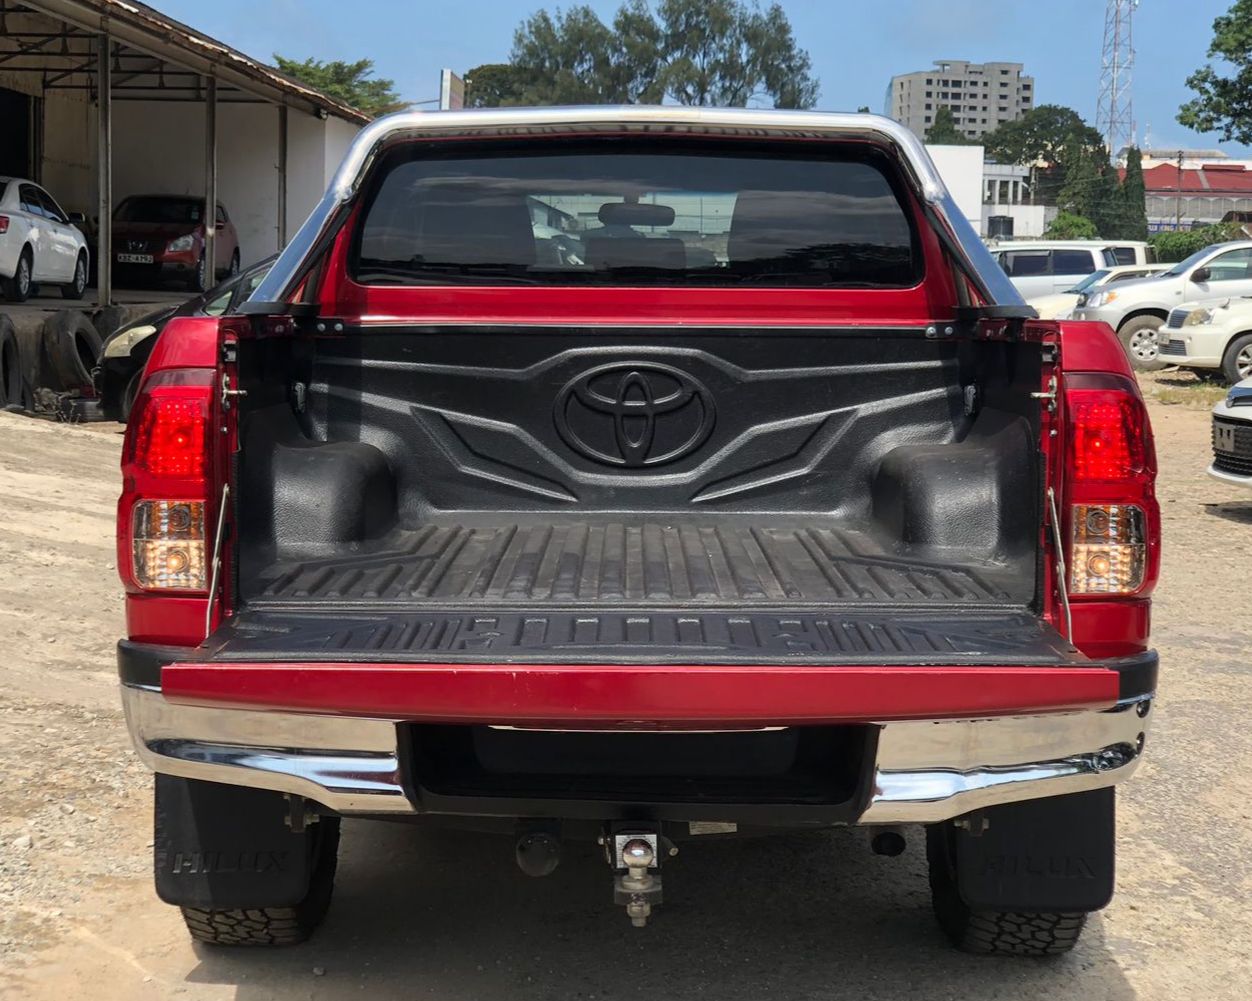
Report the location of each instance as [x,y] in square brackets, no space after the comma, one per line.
[449,916]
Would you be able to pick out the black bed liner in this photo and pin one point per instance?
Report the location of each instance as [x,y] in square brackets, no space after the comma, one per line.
[699,562]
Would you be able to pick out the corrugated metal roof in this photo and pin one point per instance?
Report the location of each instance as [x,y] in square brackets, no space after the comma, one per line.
[147,29]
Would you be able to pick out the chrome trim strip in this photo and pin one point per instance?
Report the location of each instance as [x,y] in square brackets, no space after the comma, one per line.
[284,277]
[926,771]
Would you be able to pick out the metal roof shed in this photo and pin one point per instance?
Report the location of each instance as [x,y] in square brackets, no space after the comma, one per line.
[126,99]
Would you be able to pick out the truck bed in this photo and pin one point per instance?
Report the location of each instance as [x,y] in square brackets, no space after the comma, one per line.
[723,562]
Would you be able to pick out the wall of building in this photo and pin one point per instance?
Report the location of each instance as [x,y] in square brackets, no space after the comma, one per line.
[1029,221]
[961,168]
[67,168]
[247,161]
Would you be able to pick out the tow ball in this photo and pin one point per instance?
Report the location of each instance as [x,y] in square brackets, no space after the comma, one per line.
[635,856]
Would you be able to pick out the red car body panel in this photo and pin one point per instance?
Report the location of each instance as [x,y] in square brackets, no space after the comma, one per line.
[665,696]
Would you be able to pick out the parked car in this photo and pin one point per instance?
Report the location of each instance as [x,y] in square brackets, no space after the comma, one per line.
[1060,305]
[632,548]
[126,350]
[1136,310]
[1232,437]
[1043,269]
[160,238]
[39,243]
[1211,339]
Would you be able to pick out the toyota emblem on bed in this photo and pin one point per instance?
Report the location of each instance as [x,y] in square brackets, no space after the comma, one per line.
[634,414]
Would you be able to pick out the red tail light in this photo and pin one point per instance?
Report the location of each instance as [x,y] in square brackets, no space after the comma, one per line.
[1105,435]
[4,224]
[1112,522]
[167,496]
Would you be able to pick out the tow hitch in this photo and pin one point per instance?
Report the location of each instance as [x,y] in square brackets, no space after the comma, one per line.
[634,853]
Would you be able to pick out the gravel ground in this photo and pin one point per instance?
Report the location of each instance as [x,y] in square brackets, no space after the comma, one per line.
[430,914]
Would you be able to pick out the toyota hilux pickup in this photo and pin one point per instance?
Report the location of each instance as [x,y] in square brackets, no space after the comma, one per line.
[770,507]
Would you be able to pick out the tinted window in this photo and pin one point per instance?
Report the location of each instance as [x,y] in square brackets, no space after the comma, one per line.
[1025,263]
[147,208]
[1072,262]
[588,215]
[1123,255]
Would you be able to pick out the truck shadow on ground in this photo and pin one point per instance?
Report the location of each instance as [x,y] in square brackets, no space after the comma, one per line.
[428,913]
[1239,513]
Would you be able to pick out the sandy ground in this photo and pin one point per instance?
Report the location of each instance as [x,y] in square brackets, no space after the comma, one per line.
[428,914]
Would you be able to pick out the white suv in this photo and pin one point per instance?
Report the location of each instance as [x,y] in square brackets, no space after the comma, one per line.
[1216,335]
[1137,309]
[38,242]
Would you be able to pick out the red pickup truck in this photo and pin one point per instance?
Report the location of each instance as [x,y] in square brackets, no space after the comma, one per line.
[639,475]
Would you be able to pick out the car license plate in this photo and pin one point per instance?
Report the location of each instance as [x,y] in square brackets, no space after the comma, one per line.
[134,258]
[1224,438]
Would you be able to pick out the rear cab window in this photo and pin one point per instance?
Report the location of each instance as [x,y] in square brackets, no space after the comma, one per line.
[623,213]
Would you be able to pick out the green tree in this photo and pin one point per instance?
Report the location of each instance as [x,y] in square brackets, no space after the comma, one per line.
[1223,100]
[695,52]
[1067,226]
[1042,136]
[1134,221]
[493,85]
[1091,188]
[349,82]
[944,131]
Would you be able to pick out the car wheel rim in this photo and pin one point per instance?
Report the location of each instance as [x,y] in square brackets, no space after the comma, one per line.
[23,276]
[80,276]
[1243,363]
[1143,345]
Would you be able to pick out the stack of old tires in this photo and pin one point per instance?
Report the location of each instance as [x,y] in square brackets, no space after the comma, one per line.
[14,391]
[42,369]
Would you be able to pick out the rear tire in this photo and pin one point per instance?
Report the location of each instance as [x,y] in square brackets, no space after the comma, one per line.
[76,288]
[1237,362]
[18,288]
[1000,933]
[1138,337]
[273,926]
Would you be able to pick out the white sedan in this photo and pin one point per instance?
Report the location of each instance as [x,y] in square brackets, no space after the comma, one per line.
[1060,305]
[38,243]
[1232,437]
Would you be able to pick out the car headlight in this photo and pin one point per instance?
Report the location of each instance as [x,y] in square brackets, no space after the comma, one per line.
[1100,299]
[182,243]
[121,345]
[1198,316]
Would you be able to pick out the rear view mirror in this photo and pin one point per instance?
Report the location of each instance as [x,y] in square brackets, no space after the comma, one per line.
[1201,275]
[77,217]
[635,214]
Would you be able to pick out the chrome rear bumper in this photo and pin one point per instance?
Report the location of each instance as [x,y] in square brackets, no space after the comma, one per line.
[924,772]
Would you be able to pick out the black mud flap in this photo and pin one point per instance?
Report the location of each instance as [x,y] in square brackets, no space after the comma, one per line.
[219,846]
[1050,855]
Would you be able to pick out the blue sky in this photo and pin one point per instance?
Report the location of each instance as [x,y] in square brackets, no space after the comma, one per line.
[856,46]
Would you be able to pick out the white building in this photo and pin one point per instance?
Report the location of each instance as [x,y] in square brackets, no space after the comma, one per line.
[980,96]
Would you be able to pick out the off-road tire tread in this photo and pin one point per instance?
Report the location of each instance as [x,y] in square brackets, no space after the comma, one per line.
[994,933]
[1010,934]
[274,926]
